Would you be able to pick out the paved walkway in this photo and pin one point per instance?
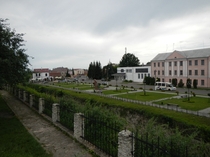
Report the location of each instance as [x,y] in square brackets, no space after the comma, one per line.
[51,138]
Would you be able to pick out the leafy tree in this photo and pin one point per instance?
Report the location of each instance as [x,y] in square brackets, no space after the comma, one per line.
[180,84]
[195,83]
[108,70]
[152,81]
[13,61]
[67,73]
[188,83]
[129,60]
[174,82]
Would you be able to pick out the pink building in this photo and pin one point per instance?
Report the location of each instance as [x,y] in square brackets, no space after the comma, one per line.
[192,64]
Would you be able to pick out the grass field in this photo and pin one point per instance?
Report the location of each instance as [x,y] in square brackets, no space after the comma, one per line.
[149,96]
[119,91]
[195,103]
[15,139]
[79,86]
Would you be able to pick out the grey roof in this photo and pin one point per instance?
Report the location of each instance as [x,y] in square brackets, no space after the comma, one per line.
[187,53]
[196,53]
[161,56]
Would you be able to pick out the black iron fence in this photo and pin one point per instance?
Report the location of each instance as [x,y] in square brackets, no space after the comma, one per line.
[48,107]
[145,147]
[101,133]
[36,102]
[67,117]
[28,97]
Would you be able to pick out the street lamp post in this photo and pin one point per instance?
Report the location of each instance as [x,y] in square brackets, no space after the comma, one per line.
[144,86]
[188,86]
[116,81]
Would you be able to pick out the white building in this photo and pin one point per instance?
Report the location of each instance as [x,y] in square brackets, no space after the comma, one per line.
[41,74]
[136,74]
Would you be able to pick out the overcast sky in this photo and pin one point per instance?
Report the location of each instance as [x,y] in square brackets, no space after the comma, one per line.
[73,33]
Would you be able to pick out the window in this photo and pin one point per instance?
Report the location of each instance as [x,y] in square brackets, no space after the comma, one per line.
[196,62]
[190,62]
[169,72]
[175,63]
[202,62]
[142,70]
[45,74]
[158,64]
[202,72]
[196,72]
[181,72]
[181,63]
[163,72]
[202,82]
[170,64]
[128,70]
[154,64]
[190,72]
[175,72]
[158,72]
[162,64]
[142,76]
[138,76]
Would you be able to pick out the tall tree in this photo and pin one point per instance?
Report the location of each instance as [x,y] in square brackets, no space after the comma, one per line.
[13,61]
[94,70]
[129,60]
[72,71]
[108,70]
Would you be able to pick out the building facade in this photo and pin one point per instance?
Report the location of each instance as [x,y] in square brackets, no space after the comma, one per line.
[136,74]
[41,74]
[190,64]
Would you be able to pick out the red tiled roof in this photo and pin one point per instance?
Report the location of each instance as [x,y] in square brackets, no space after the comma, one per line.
[42,70]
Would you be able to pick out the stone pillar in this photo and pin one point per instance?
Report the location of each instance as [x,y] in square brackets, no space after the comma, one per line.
[31,100]
[78,125]
[24,96]
[19,94]
[41,105]
[125,144]
[55,112]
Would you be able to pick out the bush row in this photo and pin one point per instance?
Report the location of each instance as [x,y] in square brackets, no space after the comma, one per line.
[172,118]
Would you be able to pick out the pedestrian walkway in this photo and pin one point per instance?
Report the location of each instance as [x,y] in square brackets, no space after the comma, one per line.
[50,137]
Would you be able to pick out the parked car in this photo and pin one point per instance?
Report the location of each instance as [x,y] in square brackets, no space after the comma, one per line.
[104,83]
[164,86]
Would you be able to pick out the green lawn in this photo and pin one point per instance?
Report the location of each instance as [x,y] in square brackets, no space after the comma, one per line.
[195,103]
[149,96]
[119,91]
[79,86]
[15,139]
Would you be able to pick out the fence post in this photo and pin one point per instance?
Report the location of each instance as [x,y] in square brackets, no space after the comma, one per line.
[125,144]
[31,100]
[78,125]
[24,96]
[55,112]
[41,105]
